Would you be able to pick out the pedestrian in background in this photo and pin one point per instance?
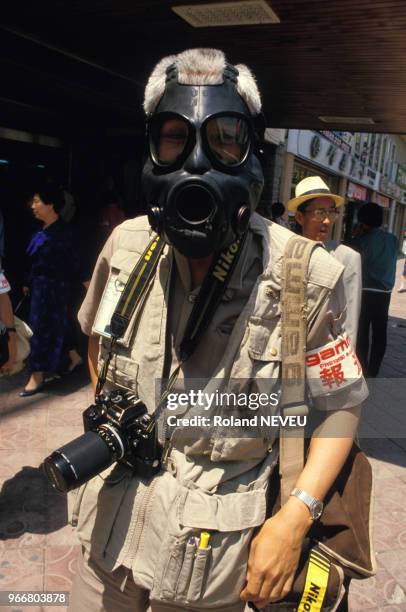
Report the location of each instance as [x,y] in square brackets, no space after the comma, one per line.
[53,256]
[277,212]
[8,342]
[316,210]
[378,251]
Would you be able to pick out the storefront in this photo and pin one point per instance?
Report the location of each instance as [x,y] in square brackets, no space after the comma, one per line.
[357,195]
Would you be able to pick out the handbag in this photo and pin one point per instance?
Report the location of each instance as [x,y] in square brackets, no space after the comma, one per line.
[338,545]
[23,335]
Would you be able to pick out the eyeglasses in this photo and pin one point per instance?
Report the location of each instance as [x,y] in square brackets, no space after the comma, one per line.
[320,213]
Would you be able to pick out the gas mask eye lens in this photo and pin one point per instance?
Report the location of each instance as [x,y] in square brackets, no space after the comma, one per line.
[168,139]
[228,139]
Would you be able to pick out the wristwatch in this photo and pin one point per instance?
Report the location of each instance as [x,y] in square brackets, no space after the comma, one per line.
[315,506]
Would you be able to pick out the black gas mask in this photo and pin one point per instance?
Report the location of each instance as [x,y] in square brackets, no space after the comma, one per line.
[202,179]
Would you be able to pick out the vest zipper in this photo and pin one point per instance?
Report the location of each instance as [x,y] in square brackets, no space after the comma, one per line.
[140,523]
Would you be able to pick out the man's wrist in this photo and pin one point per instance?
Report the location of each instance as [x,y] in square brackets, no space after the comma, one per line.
[298,515]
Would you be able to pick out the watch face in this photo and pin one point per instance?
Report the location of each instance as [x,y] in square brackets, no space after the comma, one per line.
[317,510]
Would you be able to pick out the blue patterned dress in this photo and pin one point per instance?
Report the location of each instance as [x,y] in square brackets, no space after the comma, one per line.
[54,264]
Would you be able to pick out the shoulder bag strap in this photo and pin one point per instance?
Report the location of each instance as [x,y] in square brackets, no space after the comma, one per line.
[294,327]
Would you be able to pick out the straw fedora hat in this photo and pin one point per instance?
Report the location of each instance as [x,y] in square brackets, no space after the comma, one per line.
[310,188]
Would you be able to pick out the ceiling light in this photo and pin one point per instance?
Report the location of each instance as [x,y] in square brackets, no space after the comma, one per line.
[349,120]
[217,14]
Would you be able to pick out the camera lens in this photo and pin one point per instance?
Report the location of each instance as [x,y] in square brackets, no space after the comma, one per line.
[78,461]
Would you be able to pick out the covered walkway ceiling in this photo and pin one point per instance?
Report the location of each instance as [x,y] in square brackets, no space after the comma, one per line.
[68,64]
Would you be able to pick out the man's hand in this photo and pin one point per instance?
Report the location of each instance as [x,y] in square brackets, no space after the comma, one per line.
[275,553]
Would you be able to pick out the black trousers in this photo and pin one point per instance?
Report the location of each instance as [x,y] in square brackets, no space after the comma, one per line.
[373,317]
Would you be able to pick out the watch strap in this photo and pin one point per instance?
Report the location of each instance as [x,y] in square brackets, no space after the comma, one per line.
[315,505]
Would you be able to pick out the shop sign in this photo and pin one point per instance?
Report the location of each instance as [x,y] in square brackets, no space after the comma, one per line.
[382,200]
[386,186]
[313,146]
[356,192]
[401,176]
[340,139]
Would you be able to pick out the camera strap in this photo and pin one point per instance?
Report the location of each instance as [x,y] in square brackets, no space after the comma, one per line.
[208,299]
[212,290]
[133,292]
[209,296]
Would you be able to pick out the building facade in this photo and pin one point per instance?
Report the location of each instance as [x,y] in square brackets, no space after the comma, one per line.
[361,167]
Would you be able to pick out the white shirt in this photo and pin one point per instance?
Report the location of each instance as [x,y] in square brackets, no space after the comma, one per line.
[352,278]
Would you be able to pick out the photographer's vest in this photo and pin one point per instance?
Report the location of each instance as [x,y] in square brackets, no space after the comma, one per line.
[217,483]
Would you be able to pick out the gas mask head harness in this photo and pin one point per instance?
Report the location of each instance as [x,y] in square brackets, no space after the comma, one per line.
[202,179]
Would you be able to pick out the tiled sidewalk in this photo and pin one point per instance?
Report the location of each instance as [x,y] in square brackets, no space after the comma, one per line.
[38,549]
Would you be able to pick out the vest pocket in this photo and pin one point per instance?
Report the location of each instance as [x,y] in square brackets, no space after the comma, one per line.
[173,567]
[123,370]
[265,340]
[198,574]
[213,576]
[187,568]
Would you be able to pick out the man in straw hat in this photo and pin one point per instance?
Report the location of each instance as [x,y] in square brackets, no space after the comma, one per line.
[316,210]
[183,538]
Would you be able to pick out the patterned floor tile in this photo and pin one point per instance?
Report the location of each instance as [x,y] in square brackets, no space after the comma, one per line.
[66,416]
[395,563]
[374,593]
[12,461]
[22,509]
[23,433]
[389,527]
[22,569]
[60,567]
[58,436]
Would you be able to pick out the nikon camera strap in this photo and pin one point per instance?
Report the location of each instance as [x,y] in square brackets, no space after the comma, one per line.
[133,292]
[210,294]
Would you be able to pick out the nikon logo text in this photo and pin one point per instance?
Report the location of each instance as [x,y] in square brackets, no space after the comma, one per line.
[225,261]
[312,597]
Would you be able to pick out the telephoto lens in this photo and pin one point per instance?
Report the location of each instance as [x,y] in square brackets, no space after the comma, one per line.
[78,461]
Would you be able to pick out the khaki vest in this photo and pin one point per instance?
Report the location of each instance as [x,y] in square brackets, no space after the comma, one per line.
[221,485]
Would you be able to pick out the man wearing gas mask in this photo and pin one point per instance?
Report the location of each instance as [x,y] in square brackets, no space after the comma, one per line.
[183,539]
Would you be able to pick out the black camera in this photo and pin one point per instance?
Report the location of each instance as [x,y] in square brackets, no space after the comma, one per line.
[118,428]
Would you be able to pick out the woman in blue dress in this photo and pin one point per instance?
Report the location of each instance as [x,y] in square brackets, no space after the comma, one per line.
[54,265]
